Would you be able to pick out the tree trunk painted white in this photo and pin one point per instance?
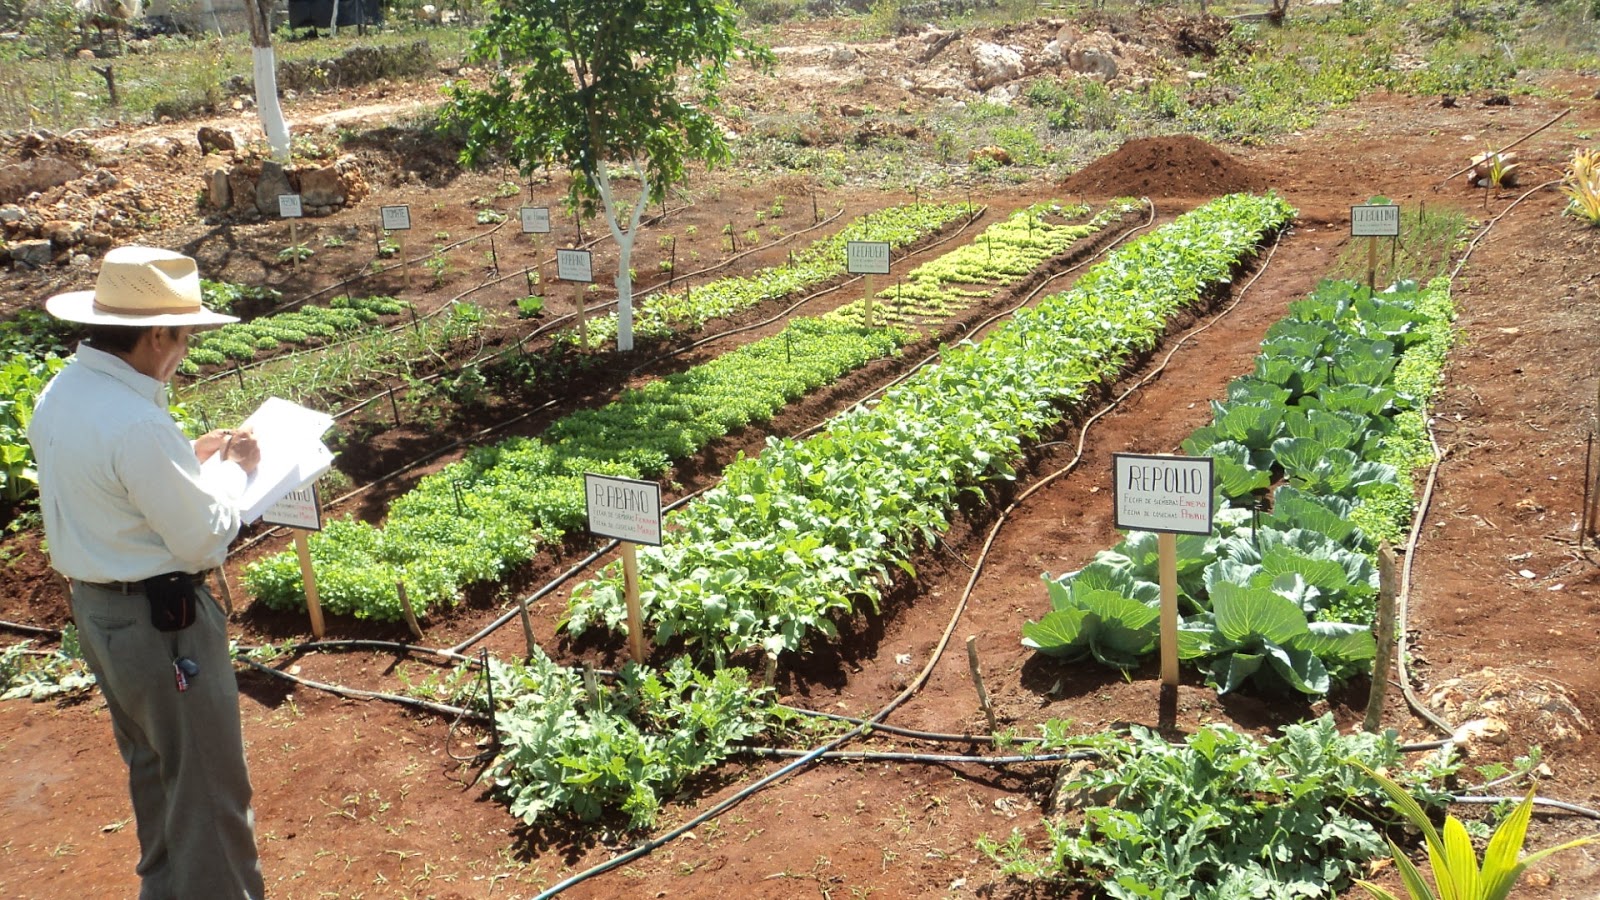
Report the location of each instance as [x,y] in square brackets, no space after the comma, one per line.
[624,248]
[265,69]
[333,21]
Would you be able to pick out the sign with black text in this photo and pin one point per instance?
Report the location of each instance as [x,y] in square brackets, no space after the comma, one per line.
[535,219]
[395,218]
[623,508]
[289,206]
[866,257]
[1163,493]
[574,265]
[298,509]
[1374,221]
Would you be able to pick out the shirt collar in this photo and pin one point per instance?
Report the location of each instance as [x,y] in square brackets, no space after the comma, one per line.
[118,368]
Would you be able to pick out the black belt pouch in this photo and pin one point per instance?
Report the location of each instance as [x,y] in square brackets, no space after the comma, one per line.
[172,603]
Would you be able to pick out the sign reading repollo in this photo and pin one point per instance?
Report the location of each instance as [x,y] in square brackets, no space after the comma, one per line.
[623,508]
[1163,493]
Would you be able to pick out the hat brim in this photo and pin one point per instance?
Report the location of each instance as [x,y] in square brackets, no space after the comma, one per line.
[78,306]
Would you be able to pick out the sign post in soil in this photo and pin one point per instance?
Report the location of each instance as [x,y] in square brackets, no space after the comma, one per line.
[630,511]
[1170,495]
[867,258]
[1373,221]
[577,266]
[398,218]
[302,512]
[289,208]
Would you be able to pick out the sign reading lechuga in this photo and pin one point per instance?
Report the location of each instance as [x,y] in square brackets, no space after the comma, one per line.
[1164,493]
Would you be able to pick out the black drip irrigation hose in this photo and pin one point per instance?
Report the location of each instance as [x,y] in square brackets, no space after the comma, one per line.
[934,758]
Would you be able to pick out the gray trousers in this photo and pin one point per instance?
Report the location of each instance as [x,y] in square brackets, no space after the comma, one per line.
[184,750]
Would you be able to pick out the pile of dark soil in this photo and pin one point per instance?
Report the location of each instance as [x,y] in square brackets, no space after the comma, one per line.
[1171,166]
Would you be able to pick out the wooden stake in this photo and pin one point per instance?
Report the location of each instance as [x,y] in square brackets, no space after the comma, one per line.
[630,582]
[868,279]
[227,589]
[583,320]
[527,629]
[405,258]
[977,680]
[1372,264]
[771,675]
[308,578]
[405,607]
[294,244]
[1384,635]
[1167,550]
[393,406]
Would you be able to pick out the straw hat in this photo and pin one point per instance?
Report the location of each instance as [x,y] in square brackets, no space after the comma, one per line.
[142,286]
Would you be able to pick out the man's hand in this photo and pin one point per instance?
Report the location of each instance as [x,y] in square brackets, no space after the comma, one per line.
[239,445]
[236,444]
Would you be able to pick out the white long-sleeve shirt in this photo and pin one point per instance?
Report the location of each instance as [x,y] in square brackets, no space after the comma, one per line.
[120,488]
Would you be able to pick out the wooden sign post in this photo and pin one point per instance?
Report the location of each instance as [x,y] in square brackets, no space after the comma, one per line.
[289,208]
[867,258]
[1169,495]
[577,266]
[398,218]
[1374,220]
[301,511]
[630,511]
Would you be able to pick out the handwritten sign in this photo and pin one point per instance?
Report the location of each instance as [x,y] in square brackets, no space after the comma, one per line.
[1374,221]
[395,218]
[535,219]
[289,206]
[866,257]
[623,508]
[574,265]
[1163,493]
[298,509]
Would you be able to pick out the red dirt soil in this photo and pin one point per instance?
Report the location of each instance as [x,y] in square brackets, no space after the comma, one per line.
[364,799]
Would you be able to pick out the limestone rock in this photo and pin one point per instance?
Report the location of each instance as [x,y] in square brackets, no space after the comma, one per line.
[219,139]
[35,254]
[1092,61]
[994,64]
[12,213]
[18,180]
[65,233]
[104,180]
[272,183]
[97,240]
[218,191]
[322,186]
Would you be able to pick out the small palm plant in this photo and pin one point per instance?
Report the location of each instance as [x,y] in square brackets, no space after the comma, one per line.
[1456,871]
[1582,185]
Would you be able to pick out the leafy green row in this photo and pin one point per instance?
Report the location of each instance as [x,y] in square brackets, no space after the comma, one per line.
[809,529]
[240,342]
[1266,593]
[1222,816]
[689,309]
[567,752]
[1004,253]
[22,377]
[491,510]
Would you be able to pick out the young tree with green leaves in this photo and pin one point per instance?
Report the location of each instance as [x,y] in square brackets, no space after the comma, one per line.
[592,84]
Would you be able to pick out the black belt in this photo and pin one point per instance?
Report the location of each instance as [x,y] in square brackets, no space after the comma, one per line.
[136,587]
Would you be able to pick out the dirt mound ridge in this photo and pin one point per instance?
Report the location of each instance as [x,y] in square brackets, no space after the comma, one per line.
[1171,166]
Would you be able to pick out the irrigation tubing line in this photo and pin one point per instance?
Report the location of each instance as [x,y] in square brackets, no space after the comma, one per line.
[1537,801]
[890,756]
[31,629]
[1403,597]
[355,694]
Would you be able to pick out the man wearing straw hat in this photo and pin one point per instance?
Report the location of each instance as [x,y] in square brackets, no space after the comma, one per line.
[134,524]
